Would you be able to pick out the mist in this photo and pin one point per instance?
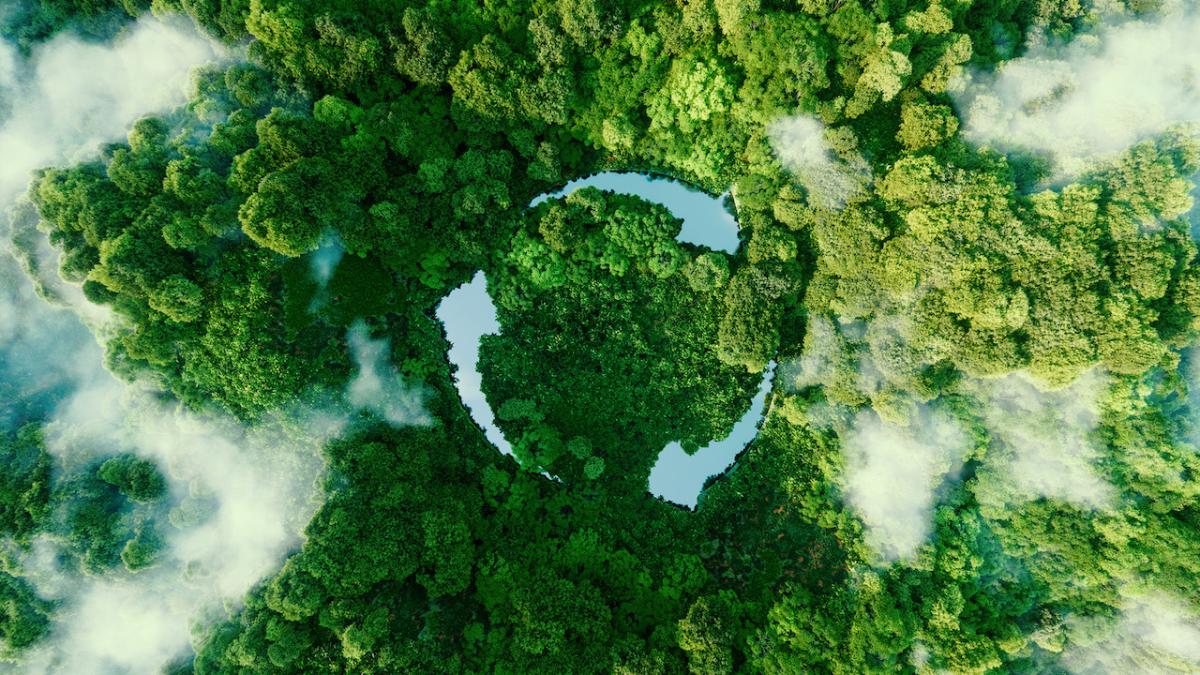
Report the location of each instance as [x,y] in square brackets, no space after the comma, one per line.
[1128,80]
[1154,633]
[825,354]
[35,372]
[897,453]
[1044,447]
[58,106]
[322,264]
[378,387]
[241,496]
[8,74]
[892,474]
[72,95]
[801,144]
[324,261]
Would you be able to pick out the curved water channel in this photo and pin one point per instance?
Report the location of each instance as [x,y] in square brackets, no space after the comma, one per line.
[468,314]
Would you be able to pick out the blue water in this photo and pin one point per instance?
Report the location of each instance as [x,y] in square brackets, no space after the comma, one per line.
[705,220]
[468,314]
[678,477]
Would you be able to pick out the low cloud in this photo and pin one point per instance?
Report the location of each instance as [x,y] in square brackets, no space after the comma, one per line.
[824,356]
[261,486]
[801,143]
[1091,98]
[35,371]
[59,106]
[378,387]
[892,474]
[241,497]
[839,356]
[1044,442]
[1190,369]
[69,97]
[324,261]
[258,486]
[8,71]
[897,453]
[1154,633]
[73,95]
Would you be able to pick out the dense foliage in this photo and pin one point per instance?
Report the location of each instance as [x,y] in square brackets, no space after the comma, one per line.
[414,135]
[601,294]
[91,518]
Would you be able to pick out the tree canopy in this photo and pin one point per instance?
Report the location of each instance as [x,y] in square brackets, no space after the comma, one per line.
[368,157]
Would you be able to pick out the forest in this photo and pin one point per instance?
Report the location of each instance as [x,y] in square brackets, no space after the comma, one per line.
[980,452]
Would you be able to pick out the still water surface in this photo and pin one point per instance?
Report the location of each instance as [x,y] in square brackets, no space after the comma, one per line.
[468,314]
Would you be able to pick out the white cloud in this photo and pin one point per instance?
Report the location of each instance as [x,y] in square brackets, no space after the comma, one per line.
[1155,633]
[119,626]
[325,260]
[800,143]
[8,66]
[70,96]
[262,483]
[892,474]
[75,95]
[1045,446]
[65,100]
[824,353]
[1092,97]
[32,367]
[378,387]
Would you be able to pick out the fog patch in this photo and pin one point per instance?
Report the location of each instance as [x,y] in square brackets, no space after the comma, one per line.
[831,178]
[21,242]
[892,473]
[322,264]
[378,387]
[73,95]
[1045,446]
[45,352]
[1154,633]
[900,450]
[262,480]
[8,72]
[1190,369]
[324,261]
[240,496]
[57,107]
[240,499]
[855,362]
[1089,99]
[825,355]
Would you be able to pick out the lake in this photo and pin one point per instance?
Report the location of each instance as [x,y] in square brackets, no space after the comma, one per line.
[468,314]
[705,220]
